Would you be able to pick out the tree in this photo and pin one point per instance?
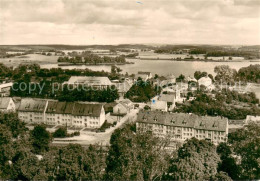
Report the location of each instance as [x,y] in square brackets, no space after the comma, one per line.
[40,139]
[199,74]
[195,160]
[73,162]
[60,133]
[135,156]
[228,162]
[225,74]
[181,78]
[245,144]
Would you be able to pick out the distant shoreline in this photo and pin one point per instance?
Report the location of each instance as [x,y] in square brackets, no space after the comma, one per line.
[198,60]
[92,64]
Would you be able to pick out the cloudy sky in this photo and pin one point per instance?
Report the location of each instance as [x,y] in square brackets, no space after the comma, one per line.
[129,21]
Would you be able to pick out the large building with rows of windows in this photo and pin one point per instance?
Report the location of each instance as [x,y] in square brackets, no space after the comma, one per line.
[180,126]
[52,112]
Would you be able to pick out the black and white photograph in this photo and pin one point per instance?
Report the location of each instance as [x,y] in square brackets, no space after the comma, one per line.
[129,90]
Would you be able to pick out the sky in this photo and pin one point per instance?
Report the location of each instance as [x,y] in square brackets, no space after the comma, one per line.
[86,22]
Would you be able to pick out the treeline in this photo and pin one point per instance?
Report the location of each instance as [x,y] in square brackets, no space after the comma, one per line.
[34,73]
[132,155]
[89,58]
[48,90]
[226,103]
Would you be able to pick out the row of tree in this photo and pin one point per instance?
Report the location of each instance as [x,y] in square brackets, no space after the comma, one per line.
[132,155]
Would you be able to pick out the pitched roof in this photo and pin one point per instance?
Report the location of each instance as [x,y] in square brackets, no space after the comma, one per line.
[84,109]
[183,120]
[89,80]
[59,107]
[32,105]
[4,102]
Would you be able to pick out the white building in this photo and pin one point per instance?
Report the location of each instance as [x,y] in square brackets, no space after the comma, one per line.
[59,113]
[88,115]
[96,82]
[51,112]
[5,89]
[164,102]
[123,107]
[180,126]
[207,82]
[252,119]
[32,110]
[7,104]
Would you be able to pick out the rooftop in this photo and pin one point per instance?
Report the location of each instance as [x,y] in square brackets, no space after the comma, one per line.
[4,102]
[32,105]
[183,120]
[89,80]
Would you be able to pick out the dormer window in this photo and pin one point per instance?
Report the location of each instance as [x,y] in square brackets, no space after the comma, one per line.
[172,121]
[184,122]
[155,119]
[215,125]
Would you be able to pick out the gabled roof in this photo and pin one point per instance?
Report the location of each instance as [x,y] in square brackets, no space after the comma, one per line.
[83,109]
[59,107]
[4,102]
[32,105]
[183,120]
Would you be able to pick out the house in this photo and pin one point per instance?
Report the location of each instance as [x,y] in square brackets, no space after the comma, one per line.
[32,110]
[180,126]
[5,89]
[123,107]
[7,104]
[144,75]
[95,82]
[252,119]
[206,81]
[88,115]
[170,99]
[157,105]
[164,102]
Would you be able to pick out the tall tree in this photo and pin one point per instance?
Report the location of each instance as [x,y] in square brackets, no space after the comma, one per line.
[195,160]
[135,156]
[40,139]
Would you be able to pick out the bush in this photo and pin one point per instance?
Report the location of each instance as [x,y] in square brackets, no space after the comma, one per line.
[60,133]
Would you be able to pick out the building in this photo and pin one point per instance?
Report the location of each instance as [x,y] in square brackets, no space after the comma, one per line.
[7,104]
[144,75]
[123,107]
[164,102]
[252,119]
[157,105]
[32,110]
[96,82]
[206,81]
[52,112]
[59,113]
[180,126]
[5,89]
[88,115]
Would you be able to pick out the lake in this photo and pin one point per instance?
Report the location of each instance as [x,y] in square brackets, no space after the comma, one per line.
[161,67]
